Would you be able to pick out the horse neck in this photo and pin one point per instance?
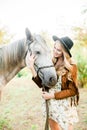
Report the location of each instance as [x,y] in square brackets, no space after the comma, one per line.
[8,75]
[12,61]
[13,73]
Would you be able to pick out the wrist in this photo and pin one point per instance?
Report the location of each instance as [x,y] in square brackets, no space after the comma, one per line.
[32,67]
[34,73]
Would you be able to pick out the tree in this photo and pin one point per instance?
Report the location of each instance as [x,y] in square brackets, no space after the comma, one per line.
[5,37]
[80,52]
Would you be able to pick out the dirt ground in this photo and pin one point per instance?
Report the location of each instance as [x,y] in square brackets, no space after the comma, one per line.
[21,106]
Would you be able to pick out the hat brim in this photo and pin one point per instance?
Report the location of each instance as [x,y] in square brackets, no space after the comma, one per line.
[55,38]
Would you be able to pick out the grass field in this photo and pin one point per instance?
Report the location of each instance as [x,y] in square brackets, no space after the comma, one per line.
[20,107]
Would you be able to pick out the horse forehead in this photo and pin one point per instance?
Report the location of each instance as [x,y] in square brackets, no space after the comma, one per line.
[38,46]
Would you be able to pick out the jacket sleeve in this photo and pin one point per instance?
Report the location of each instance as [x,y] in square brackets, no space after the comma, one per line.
[69,88]
[70,91]
[38,81]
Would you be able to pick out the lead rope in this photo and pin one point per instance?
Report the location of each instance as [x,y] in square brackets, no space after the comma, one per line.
[47,113]
[47,116]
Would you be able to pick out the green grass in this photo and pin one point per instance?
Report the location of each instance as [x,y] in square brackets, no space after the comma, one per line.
[5,124]
[34,127]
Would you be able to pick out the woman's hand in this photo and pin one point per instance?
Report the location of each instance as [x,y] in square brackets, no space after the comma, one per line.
[47,95]
[30,59]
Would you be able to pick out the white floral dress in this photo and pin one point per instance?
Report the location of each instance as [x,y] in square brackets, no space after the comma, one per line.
[61,110]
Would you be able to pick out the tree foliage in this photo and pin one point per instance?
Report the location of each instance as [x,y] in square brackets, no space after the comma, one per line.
[80,35]
[80,52]
[5,37]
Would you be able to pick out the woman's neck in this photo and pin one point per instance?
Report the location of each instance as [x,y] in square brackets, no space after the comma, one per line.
[59,63]
[60,60]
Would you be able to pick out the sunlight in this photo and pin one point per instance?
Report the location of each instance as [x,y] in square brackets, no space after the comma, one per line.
[53,16]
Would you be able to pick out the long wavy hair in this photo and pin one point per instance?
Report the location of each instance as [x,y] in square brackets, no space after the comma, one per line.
[62,69]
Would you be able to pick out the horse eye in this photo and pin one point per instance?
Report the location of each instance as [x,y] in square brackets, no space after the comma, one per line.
[38,52]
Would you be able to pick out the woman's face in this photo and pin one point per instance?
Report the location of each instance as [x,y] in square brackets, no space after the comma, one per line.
[57,51]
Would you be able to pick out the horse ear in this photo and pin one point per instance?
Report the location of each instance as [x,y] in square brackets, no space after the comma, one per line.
[28,35]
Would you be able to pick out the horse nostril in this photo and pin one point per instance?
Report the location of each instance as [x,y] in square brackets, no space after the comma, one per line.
[52,80]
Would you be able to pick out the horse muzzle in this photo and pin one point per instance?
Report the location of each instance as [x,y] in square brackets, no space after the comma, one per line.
[50,81]
[47,75]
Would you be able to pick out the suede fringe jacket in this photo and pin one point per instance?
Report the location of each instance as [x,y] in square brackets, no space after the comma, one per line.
[69,85]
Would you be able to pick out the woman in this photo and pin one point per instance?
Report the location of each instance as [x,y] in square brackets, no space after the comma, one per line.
[64,96]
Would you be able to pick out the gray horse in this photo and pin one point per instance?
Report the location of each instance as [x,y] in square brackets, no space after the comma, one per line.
[13,59]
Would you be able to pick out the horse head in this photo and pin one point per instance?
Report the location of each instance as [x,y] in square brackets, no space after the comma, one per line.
[43,63]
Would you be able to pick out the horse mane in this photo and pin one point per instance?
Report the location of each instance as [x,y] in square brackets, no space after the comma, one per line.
[11,54]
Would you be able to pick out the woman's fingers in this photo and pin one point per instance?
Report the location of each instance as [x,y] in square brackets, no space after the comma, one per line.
[30,59]
[47,95]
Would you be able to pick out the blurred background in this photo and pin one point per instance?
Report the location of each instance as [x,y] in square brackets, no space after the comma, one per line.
[46,17]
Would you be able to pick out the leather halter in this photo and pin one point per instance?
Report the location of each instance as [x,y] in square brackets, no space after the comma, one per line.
[42,67]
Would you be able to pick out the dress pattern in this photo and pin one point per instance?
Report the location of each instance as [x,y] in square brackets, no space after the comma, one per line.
[60,110]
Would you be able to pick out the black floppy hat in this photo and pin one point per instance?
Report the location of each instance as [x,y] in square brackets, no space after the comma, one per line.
[66,41]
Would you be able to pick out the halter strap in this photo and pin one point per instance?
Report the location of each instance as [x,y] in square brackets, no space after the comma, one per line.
[42,67]
[28,48]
